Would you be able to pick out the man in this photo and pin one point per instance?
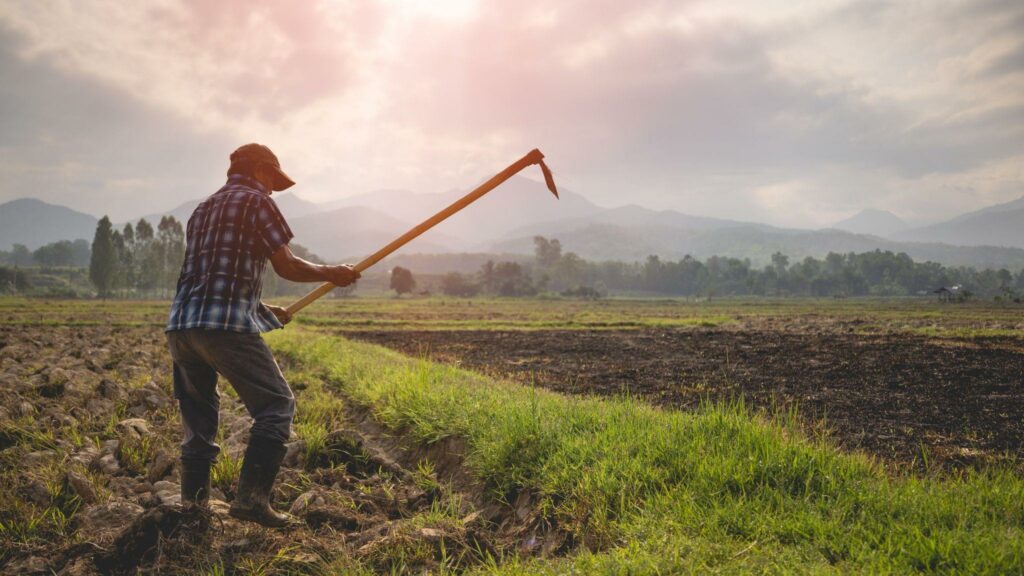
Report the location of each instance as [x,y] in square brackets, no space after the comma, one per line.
[215,324]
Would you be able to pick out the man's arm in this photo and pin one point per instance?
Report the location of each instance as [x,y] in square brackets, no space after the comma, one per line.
[291,267]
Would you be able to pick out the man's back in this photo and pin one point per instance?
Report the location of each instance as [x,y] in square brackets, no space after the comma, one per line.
[230,236]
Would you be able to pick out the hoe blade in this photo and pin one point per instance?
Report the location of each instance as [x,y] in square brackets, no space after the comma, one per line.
[548,178]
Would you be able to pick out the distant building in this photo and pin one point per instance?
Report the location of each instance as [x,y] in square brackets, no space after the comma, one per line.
[952,293]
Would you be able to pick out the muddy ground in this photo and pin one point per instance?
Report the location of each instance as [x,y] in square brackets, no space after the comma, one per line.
[909,400]
[89,478]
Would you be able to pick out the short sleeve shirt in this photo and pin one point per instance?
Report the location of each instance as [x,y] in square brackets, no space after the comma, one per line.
[229,238]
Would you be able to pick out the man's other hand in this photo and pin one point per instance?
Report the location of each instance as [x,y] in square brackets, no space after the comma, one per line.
[342,275]
[283,315]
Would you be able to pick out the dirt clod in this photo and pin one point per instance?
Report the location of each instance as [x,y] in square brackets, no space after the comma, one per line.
[169,530]
[336,517]
[81,487]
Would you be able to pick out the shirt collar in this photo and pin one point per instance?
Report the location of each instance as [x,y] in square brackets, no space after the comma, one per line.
[247,181]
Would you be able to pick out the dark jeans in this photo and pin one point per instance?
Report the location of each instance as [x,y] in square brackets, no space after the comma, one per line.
[247,363]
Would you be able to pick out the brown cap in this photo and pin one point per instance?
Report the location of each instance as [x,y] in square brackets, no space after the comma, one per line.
[261,155]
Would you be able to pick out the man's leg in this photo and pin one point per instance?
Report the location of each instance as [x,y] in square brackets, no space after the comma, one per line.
[247,363]
[195,387]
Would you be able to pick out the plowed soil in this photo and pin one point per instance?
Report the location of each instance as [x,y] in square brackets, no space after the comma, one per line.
[909,400]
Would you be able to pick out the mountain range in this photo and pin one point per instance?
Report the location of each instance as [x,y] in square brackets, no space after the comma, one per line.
[998,225]
[873,222]
[34,223]
[506,221]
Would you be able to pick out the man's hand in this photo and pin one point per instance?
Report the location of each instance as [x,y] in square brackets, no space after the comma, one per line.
[342,275]
[282,314]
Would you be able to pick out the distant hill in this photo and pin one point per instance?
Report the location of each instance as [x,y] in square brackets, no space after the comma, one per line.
[462,262]
[1011,206]
[294,207]
[999,225]
[291,206]
[517,203]
[630,216]
[872,222]
[402,204]
[352,233]
[34,223]
[505,222]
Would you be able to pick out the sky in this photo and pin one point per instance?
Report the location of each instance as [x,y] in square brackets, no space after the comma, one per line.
[791,112]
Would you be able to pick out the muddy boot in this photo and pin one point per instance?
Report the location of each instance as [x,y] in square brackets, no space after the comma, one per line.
[195,482]
[259,469]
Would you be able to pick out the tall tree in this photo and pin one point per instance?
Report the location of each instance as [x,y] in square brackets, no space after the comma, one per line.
[512,280]
[13,280]
[126,258]
[143,230]
[80,252]
[402,281]
[103,264]
[147,257]
[546,251]
[455,284]
[60,253]
[20,255]
[486,276]
[119,280]
[171,239]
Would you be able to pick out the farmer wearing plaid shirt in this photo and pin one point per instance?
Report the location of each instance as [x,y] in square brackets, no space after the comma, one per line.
[215,323]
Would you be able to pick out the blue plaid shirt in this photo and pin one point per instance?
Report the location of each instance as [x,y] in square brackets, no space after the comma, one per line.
[230,236]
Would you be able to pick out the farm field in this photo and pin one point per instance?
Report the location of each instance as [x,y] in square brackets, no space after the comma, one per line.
[908,399]
[912,382]
[872,436]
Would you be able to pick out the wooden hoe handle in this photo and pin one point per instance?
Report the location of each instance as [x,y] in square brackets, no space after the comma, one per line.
[533,157]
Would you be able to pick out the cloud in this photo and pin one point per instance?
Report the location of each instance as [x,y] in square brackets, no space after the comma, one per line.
[75,141]
[210,61]
[693,105]
[656,100]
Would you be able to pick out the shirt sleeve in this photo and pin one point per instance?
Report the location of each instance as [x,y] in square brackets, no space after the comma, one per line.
[272,232]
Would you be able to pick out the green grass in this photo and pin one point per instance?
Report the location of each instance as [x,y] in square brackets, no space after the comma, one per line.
[225,471]
[653,491]
[319,414]
[23,522]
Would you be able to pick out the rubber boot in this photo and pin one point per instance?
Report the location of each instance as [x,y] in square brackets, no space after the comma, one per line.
[195,482]
[262,461]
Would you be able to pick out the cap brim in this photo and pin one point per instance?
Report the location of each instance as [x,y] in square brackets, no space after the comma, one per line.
[281,180]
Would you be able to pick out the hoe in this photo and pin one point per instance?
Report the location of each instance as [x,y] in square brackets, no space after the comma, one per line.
[534,157]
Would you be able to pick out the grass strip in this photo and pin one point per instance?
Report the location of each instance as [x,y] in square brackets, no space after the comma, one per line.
[646,490]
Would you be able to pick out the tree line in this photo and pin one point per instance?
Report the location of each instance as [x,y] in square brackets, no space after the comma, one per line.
[140,261]
[54,254]
[137,260]
[877,273]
